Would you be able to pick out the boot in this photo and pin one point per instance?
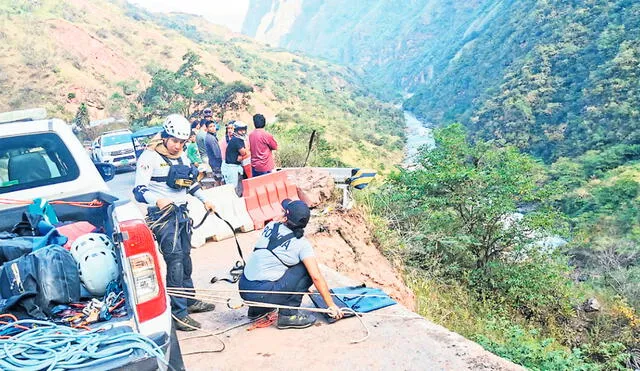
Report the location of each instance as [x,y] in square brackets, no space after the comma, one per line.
[255,312]
[298,320]
[200,307]
[187,323]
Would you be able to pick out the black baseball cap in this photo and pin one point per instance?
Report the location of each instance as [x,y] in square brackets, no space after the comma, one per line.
[297,212]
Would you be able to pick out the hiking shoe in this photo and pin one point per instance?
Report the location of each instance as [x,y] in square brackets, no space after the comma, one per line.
[187,323]
[256,312]
[200,307]
[299,320]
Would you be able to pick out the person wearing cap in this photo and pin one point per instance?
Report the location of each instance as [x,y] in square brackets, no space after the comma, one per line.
[283,260]
[235,153]
[164,178]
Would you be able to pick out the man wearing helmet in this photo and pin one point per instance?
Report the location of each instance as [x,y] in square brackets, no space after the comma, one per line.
[164,177]
[234,154]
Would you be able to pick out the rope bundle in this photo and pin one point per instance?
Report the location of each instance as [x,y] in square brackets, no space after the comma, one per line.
[53,347]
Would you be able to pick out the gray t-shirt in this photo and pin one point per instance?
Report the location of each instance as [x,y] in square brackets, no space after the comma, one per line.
[263,266]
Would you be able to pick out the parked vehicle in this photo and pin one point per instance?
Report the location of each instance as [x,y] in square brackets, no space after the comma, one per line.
[114,147]
[42,158]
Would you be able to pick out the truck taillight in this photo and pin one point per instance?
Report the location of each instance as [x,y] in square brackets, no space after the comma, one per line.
[140,250]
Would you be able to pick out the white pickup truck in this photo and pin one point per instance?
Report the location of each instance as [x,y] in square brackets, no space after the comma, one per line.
[42,158]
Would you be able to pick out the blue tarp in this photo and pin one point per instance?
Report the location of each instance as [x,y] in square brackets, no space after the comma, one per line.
[352,297]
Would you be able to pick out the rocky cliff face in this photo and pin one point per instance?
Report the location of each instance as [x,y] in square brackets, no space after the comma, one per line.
[396,48]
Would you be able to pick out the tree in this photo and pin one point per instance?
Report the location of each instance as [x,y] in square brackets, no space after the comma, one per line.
[187,90]
[466,196]
[229,97]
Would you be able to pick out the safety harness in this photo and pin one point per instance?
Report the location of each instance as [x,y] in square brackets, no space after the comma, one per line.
[275,241]
[236,271]
[180,175]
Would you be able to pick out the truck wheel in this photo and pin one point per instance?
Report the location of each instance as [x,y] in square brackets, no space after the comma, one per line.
[175,355]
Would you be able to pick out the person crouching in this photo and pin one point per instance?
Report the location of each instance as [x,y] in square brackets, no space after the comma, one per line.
[283,260]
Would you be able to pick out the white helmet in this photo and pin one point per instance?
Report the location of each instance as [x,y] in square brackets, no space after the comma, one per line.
[89,241]
[177,126]
[96,268]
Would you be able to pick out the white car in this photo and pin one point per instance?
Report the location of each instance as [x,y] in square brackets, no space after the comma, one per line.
[114,147]
[42,158]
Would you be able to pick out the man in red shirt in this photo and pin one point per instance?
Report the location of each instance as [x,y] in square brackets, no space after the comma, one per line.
[262,146]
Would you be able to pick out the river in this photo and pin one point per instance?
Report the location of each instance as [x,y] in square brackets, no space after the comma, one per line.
[417,136]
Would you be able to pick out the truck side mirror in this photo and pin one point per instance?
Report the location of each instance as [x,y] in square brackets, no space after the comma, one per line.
[107,171]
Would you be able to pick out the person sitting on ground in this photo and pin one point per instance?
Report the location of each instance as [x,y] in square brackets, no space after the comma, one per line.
[192,150]
[234,154]
[262,146]
[283,260]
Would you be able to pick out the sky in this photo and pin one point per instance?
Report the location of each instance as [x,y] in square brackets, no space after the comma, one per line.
[228,13]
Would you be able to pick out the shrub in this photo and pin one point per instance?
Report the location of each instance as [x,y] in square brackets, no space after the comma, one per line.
[538,288]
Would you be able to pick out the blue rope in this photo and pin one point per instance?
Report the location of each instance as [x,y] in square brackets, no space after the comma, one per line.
[47,346]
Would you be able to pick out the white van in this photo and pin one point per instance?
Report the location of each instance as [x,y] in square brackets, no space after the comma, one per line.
[114,147]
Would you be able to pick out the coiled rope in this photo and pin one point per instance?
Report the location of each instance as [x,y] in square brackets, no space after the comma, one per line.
[53,347]
[85,204]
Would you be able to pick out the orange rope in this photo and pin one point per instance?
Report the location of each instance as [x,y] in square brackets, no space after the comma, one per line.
[86,204]
[14,318]
[267,321]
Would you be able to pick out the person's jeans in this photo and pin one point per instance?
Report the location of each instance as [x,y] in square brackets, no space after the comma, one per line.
[231,174]
[258,173]
[295,279]
[173,233]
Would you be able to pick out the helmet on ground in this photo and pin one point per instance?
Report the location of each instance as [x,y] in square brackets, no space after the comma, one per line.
[96,261]
[177,126]
[207,112]
[89,241]
[239,125]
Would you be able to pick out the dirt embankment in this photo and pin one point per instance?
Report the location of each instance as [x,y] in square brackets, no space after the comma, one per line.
[343,242]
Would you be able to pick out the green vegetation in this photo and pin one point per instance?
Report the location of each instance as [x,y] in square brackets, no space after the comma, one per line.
[187,90]
[479,268]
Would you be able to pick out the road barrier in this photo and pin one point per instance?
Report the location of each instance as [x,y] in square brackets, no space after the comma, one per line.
[263,195]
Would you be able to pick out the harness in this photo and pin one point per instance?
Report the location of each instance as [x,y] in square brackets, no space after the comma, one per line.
[236,271]
[275,241]
[180,175]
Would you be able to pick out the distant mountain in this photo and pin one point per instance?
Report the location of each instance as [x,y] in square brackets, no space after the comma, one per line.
[397,48]
[556,78]
[61,54]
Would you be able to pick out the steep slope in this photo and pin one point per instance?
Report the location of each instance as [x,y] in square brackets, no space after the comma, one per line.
[59,54]
[396,47]
[555,78]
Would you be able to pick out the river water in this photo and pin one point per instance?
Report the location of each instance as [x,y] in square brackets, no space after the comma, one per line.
[417,136]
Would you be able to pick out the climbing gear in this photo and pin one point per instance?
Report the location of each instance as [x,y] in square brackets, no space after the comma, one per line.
[200,307]
[187,323]
[177,126]
[43,345]
[26,287]
[180,175]
[299,320]
[275,241]
[89,241]
[236,271]
[96,262]
[264,321]
[313,135]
